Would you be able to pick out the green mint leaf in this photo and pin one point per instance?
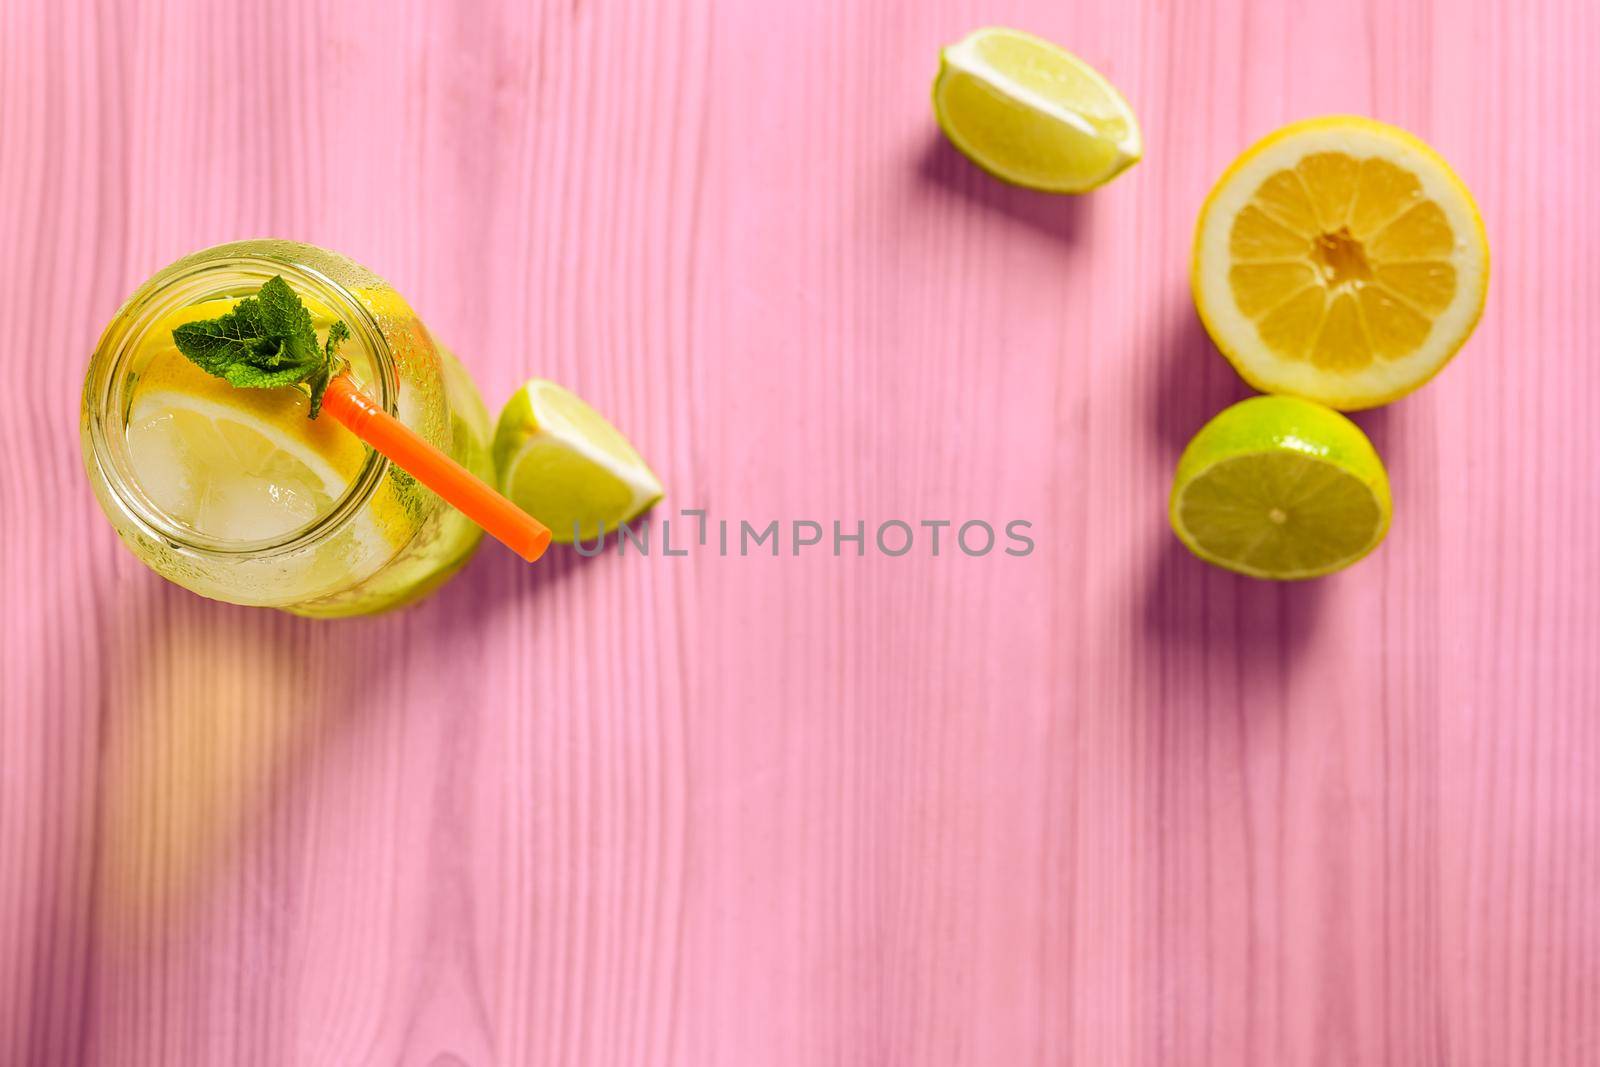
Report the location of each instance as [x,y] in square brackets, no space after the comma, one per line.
[216,344]
[284,316]
[338,333]
[266,341]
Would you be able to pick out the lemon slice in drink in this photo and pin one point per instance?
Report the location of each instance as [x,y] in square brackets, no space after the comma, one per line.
[1342,260]
[1033,114]
[244,464]
[565,465]
[1279,487]
[234,464]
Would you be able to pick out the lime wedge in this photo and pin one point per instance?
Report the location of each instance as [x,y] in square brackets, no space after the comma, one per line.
[1278,487]
[1033,114]
[565,465]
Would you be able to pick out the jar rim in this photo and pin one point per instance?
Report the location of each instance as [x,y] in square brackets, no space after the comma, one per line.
[183,283]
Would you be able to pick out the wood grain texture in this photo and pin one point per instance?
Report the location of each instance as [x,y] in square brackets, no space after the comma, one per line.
[1100,805]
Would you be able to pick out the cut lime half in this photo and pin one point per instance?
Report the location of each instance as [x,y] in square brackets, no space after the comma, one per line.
[1279,487]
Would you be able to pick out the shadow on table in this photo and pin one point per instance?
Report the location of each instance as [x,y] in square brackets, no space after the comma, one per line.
[1059,216]
[213,724]
[1193,382]
[497,578]
[1193,608]
[1196,614]
[1381,427]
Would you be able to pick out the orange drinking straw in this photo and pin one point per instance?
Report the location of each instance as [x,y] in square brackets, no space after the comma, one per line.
[469,494]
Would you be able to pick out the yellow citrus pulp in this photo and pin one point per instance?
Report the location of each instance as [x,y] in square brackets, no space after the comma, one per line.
[1341,260]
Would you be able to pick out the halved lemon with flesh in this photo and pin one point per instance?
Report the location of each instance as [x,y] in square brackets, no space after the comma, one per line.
[241,464]
[565,465]
[1032,113]
[1280,487]
[1341,260]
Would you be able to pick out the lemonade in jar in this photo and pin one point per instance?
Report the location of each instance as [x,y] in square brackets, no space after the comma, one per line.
[238,495]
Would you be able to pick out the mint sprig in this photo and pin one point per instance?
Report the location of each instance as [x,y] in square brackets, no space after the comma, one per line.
[266,342]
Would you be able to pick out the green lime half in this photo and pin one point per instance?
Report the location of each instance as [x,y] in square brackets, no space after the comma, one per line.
[1278,487]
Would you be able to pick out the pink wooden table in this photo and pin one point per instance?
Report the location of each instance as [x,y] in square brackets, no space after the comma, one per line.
[1099,805]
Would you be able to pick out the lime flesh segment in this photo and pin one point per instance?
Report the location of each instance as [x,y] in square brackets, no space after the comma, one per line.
[1280,514]
[1277,487]
[563,463]
[567,493]
[1033,114]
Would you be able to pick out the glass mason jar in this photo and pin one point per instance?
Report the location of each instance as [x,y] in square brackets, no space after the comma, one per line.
[387,540]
